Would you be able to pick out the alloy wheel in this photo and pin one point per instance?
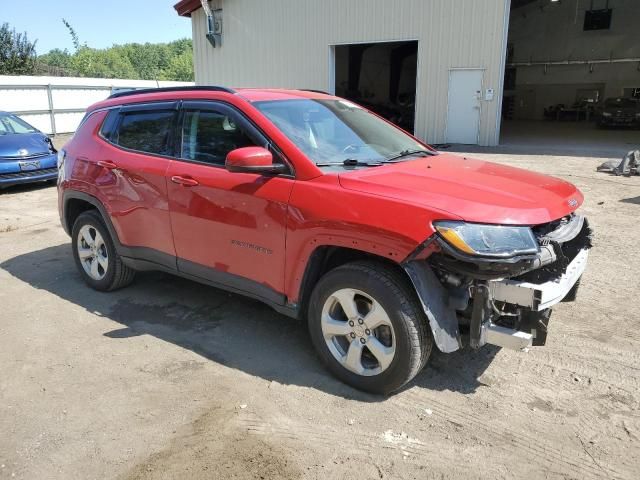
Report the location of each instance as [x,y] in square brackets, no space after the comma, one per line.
[358,332]
[92,252]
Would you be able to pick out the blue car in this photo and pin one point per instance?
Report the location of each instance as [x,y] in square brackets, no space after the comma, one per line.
[26,154]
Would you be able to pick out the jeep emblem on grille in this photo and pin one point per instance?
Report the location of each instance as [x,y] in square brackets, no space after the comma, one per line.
[573,203]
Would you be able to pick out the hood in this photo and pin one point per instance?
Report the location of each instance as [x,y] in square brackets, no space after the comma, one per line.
[13,145]
[473,190]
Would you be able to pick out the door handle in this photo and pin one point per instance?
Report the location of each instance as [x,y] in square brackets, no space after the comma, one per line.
[107,164]
[185,181]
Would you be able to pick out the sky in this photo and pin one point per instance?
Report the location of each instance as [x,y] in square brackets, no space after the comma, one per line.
[98,23]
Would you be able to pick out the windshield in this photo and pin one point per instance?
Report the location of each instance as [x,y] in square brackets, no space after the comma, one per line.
[621,102]
[13,124]
[332,131]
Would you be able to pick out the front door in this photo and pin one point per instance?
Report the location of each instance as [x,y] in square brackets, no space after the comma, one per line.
[463,115]
[228,228]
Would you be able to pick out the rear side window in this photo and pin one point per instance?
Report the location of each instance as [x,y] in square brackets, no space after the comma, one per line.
[108,129]
[147,131]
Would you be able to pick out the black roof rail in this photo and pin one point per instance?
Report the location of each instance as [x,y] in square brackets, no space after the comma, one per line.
[313,91]
[190,88]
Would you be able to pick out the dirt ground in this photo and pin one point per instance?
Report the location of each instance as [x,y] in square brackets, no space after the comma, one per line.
[171,379]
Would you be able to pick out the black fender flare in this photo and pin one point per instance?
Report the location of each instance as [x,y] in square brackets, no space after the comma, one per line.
[76,195]
[443,319]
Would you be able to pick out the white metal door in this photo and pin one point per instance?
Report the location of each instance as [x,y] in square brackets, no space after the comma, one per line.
[463,115]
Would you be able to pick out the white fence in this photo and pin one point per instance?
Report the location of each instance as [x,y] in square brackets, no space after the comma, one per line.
[57,104]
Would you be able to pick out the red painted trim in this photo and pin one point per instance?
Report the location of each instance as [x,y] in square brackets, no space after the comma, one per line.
[185,7]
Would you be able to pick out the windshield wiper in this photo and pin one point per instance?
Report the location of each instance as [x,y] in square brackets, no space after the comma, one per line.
[349,162]
[408,153]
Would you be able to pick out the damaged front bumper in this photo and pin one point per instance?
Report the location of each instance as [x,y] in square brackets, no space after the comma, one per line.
[541,296]
[535,298]
[504,303]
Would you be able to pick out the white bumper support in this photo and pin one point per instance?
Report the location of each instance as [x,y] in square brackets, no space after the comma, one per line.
[506,337]
[539,296]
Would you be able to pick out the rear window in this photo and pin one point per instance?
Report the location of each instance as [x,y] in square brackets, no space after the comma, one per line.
[147,131]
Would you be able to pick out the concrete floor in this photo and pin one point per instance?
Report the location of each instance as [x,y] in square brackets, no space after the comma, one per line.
[565,138]
[171,379]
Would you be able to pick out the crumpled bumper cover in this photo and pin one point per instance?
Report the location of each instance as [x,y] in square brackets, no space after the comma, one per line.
[541,296]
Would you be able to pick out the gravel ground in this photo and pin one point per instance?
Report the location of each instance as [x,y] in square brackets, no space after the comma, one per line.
[172,379]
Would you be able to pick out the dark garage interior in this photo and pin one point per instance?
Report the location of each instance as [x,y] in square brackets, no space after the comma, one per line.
[381,77]
[572,73]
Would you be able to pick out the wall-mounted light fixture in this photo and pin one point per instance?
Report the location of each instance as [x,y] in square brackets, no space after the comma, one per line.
[214,24]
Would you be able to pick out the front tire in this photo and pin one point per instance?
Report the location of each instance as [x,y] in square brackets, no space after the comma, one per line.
[368,327]
[95,254]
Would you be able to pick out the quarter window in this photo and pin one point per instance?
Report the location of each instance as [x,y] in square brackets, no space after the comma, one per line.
[208,136]
[146,131]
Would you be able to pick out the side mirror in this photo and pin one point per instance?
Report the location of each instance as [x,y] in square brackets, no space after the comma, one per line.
[252,160]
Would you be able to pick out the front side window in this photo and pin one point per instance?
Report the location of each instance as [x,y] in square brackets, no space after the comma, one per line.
[208,136]
[329,131]
[147,131]
[13,124]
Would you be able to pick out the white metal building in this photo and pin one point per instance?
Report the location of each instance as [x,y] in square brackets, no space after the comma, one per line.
[296,43]
[436,67]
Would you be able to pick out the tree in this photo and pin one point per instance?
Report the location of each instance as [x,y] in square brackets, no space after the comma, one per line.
[17,53]
[180,68]
[74,36]
[57,62]
[148,61]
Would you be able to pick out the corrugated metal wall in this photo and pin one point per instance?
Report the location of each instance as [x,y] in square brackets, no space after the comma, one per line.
[286,43]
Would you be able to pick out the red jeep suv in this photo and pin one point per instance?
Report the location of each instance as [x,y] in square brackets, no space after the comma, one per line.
[324,211]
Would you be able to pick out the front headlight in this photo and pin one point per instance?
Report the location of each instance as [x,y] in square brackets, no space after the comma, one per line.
[606,114]
[488,240]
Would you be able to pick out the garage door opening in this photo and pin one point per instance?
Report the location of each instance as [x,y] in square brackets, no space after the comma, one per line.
[381,77]
[569,65]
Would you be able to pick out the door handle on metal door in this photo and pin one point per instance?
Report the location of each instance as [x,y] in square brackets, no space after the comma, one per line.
[107,164]
[186,181]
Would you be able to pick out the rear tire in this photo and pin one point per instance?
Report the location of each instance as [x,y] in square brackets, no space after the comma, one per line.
[95,254]
[377,359]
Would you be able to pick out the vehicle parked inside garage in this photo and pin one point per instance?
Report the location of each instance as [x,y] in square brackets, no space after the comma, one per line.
[620,112]
[325,211]
[26,154]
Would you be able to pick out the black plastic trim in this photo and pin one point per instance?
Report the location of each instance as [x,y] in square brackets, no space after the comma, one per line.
[76,195]
[231,282]
[313,91]
[143,258]
[143,91]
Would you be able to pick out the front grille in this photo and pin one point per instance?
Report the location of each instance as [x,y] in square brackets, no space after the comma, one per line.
[27,173]
[626,117]
[28,157]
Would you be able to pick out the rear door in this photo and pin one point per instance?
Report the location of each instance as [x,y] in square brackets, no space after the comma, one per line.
[135,159]
[228,228]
